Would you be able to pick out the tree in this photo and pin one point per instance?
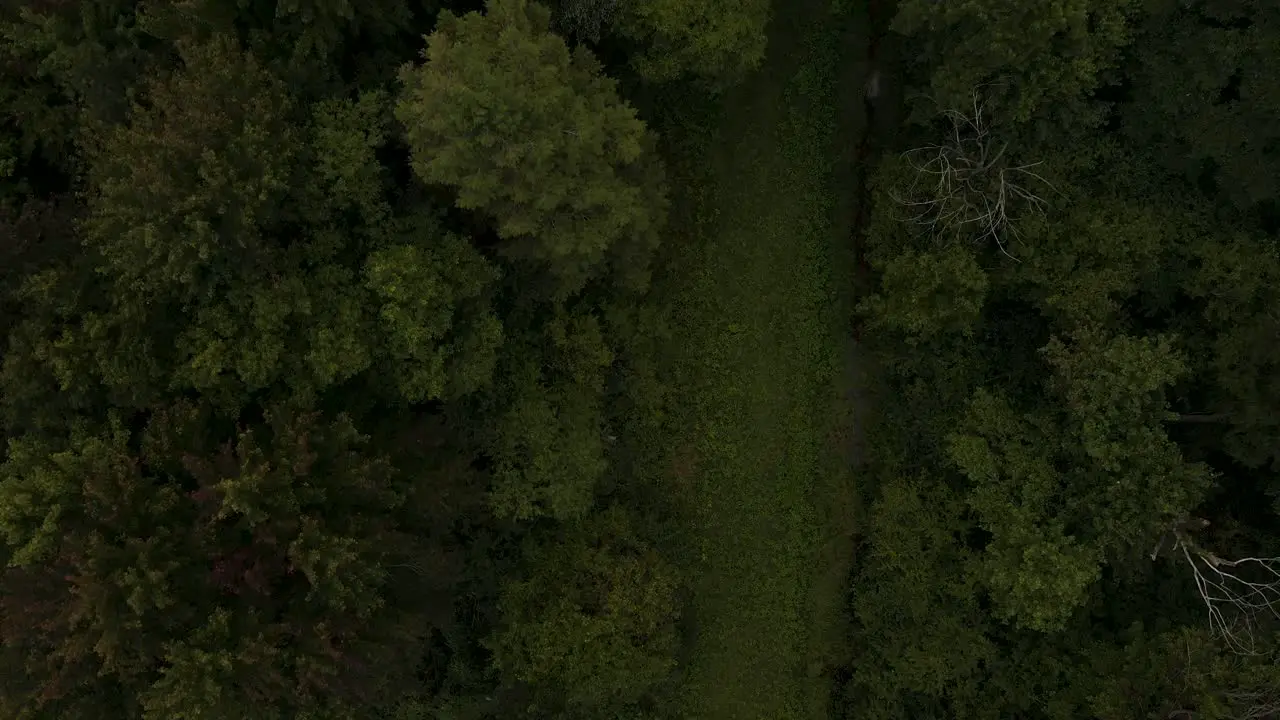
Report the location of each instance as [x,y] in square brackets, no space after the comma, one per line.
[587,19]
[1116,378]
[548,445]
[1062,492]
[1183,673]
[593,618]
[346,135]
[1242,596]
[206,577]
[550,454]
[1236,279]
[1202,98]
[1038,574]
[60,62]
[1046,56]
[185,193]
[925,294]
[185,202]
[531,135]
[275,417]
[435,350]
[198,203]
[1090,262]
[919,627]
[302,38]
[715,42]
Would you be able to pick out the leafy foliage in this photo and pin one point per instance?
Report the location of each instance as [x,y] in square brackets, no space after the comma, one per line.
[206,577]
[927,294]
[419,290]
[334,384]
[241,276]
[549,443]
[588,18]
[560,162]
[717,42]
[1202,97]
[59,61]
[594,618]
[1044,57]
[1113,387]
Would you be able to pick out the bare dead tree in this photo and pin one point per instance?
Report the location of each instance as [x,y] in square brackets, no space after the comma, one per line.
[1240,595]
[966,187]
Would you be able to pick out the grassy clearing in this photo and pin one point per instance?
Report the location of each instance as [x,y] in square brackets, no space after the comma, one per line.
[759,325]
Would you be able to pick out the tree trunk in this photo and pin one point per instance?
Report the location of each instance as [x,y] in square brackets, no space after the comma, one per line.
[1203,418]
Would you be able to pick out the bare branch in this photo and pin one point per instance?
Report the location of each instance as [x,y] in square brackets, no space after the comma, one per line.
[1239,594]
[966,189]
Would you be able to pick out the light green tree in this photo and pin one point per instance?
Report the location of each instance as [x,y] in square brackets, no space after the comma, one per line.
[531,135]
[435,350]
[1091,479]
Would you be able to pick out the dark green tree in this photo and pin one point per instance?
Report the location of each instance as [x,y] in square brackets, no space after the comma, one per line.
[919,627]
[60,62]
[718,43]
[205,578]
[200,204]
[549,443]
[593,619]
[1203,96]
[1036,59]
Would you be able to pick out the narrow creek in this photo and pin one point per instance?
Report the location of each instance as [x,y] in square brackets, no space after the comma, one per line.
[881,99]
[871,67]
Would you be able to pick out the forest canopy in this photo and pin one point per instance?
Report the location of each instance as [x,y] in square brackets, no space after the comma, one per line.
[639,359]
[1072,471]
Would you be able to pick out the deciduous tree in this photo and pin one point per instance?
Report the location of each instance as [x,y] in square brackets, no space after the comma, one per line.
[548,445]
[1203,96]
[1045,57]
[593,619]
[203,576]
[531,135]
[715,42]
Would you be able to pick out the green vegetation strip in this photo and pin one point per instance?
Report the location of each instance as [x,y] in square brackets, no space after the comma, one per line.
[758,328]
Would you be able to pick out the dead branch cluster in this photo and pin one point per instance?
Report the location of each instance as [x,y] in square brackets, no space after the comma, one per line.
[1241,596]
[1255,704]
[966,187]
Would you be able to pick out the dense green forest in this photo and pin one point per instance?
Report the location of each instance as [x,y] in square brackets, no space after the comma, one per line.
[639,359]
